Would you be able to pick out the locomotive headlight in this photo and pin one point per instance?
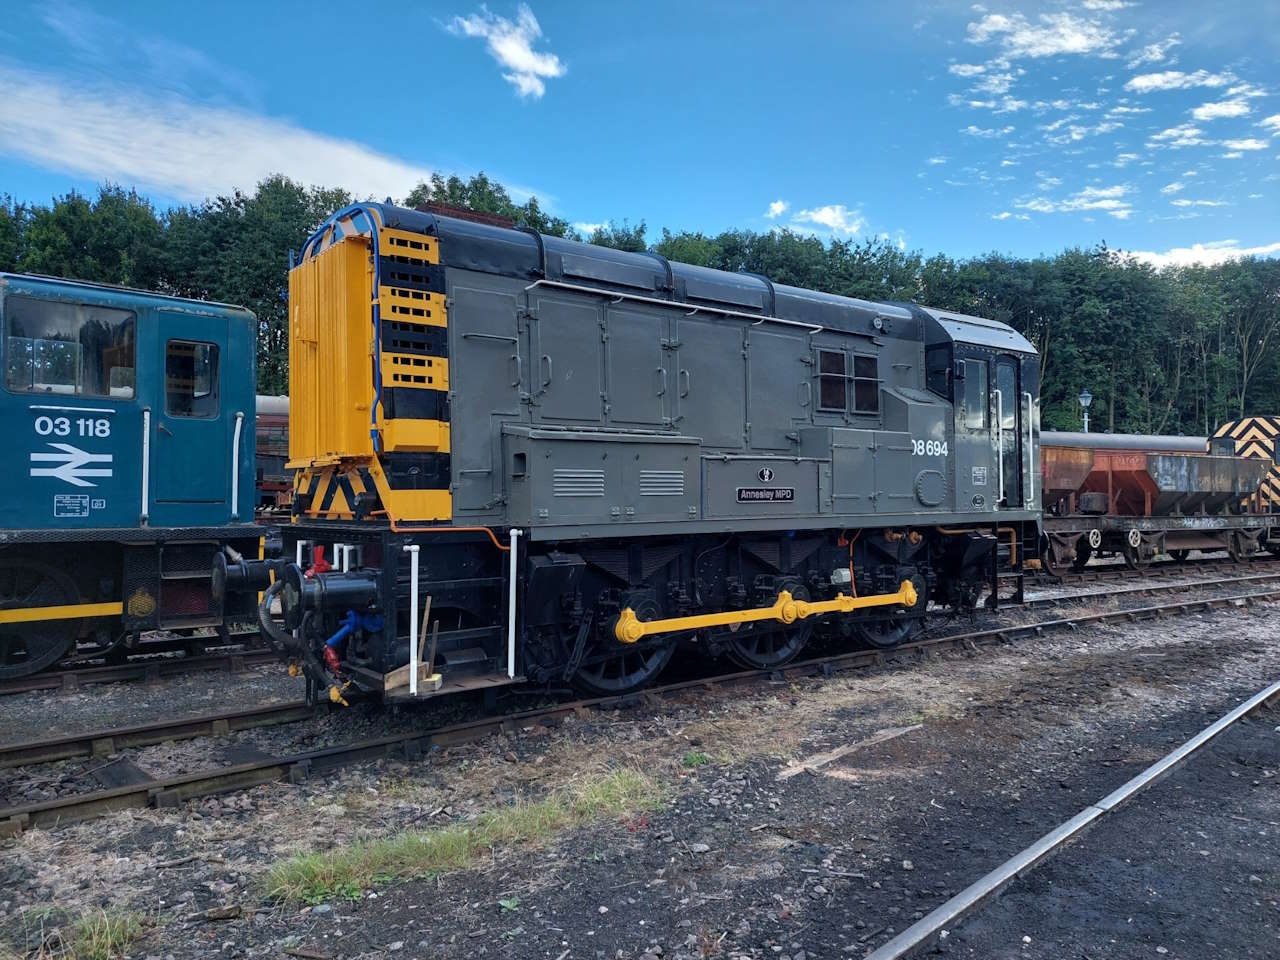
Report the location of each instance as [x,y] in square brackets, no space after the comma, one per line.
[841,577]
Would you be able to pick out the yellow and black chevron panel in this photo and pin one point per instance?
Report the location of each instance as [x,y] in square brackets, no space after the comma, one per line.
[336,491]
[1256,437]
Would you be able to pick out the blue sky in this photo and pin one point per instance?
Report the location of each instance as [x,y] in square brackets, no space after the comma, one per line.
[950,127]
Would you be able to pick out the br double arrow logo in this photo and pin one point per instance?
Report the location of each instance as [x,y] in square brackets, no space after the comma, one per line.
[72,464]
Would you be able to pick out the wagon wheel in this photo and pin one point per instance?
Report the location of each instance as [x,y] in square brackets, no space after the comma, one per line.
[27,648]
[765,645]
[1083,554]
[888,633]
[1050,565]
[1132,558]
[1179,556]
[610,668]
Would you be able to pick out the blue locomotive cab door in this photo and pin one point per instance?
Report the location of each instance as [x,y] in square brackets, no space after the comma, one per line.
[190,457]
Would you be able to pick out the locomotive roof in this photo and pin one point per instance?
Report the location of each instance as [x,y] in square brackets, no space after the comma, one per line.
[58,286]
[529,255]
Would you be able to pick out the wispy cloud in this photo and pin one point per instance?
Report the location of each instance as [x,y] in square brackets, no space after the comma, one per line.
[1183,135]
[1271,124]
[1109,200]
[1154,52]
[1184,202]
[1249,143]
[1174,187]
[835,217]
[1221,109]
[1209,254]
[1007,215]
[937,161]
[510,43]
[987,132]
[1053,34]
[588,228]
[1176,80]
[966,69]
[175,145]
[777,209]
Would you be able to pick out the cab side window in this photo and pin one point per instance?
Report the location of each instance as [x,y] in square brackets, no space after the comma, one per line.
[832,381]
[191,379]
[68,349]
[866,385]
[975,394]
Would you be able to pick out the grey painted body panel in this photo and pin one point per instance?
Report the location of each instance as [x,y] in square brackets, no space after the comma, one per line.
[583,410]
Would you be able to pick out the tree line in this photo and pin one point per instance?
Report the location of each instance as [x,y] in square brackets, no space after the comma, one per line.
[1177,350]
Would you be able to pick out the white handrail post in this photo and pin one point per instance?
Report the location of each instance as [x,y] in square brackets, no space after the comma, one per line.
[511,605]
[1000,444]
[235,466]
[146,464]
[412,550]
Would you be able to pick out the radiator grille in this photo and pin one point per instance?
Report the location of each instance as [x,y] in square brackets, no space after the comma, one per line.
[662,483]
[577,483]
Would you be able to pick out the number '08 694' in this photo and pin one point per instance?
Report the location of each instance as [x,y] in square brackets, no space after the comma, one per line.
[929,448]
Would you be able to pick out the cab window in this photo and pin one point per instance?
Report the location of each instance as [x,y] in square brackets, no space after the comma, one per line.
[832,381]
[975,394]
[68,349]
[191,379]
[866,385]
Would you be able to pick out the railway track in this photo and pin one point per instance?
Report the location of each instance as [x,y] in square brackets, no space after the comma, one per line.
[152,668]
[172,791]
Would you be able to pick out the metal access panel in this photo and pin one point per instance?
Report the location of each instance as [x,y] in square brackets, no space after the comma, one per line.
[713,382]
[559,478]
[777,368]
[488,372]
[640,379]
[760,487]
[568,359]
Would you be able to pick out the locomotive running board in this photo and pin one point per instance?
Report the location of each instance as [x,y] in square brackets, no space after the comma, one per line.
[786,609]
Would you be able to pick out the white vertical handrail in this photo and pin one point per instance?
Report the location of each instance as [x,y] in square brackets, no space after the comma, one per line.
[235,466]
[511,607]
[1000,444]
[1031,464]
[412,550]
[146,464]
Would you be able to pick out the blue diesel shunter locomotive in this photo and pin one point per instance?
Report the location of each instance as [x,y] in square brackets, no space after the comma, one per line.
[131,468]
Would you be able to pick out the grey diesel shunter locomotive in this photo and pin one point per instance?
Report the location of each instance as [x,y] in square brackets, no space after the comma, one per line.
[583,457]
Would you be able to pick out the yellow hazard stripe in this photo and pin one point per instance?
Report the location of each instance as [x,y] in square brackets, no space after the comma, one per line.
[71,611]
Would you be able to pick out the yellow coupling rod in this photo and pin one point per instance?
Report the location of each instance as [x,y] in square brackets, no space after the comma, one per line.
[786,609]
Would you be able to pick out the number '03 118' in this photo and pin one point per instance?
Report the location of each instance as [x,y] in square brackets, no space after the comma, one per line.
[929,448]
[62,426]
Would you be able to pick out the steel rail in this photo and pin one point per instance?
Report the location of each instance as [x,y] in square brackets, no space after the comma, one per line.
[923,931]
[409,745]
[153,668]
[101,743]
[1147,588]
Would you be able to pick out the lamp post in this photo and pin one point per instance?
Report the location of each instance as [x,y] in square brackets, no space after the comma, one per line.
[1085,398]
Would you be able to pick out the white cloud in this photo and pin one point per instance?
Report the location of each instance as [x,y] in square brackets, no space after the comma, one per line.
[1007,162]
[777,209]
[1124,159]
[1154,52]
[936,161]
[966,69]
[1123,110]
[836,217]
[1054,34]
[176,146]
[1183,135]
[1271,123]
[1209,254]
[511,44]
[1221,109]
[1108,6]
[1077,131]
[1108,200]
[1176,80]
[1251,143]
[1233,155]
[1007,215]
[973,131]
[588,228]
[1183,202]
[1174,187]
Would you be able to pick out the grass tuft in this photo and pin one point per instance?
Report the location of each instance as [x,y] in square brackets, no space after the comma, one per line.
[696,759]
[348,872]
